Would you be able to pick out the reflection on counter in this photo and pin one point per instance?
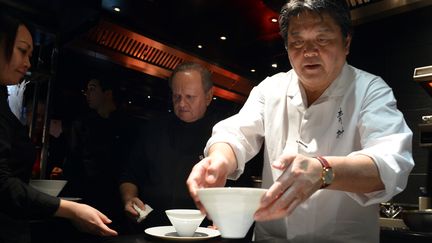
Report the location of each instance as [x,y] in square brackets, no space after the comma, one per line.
[403,235]
[393,227]
[392,223]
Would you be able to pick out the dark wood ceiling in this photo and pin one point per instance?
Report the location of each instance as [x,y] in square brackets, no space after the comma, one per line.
[252,40]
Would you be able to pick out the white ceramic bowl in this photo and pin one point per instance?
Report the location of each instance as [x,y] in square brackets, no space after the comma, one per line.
[185,221]
[231,208]
[50,187]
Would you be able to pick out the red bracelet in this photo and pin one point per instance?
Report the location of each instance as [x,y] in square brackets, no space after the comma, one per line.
[327,174]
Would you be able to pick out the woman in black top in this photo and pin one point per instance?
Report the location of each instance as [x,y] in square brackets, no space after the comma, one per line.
[18,201]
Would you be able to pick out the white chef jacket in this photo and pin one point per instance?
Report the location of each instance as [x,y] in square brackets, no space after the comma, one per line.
[357,114]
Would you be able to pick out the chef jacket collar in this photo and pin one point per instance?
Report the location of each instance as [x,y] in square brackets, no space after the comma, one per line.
[336,88]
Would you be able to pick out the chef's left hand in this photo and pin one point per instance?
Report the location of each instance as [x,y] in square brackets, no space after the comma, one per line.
[301,177]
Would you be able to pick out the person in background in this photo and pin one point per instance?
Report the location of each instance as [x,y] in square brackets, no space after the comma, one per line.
[36,131]
[56,139]
[57,148]
[18,201]
[169,146]
[99,145]
[335,144]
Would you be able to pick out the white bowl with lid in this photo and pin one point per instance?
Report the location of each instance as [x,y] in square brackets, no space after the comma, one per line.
[185,221]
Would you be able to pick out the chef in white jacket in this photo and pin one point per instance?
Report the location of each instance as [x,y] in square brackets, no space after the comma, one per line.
[335,144]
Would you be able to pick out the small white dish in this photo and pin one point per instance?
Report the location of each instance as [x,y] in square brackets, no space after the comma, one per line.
[50,187]
[185,221]
[169,233]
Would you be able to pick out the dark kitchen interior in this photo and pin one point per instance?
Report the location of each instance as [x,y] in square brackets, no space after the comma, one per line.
[390,43]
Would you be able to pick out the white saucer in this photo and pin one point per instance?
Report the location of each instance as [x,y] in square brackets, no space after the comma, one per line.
[169,233]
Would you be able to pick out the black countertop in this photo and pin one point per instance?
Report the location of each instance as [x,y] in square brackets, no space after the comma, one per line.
[144,238]
[61,231]
[396,235]
[393,235]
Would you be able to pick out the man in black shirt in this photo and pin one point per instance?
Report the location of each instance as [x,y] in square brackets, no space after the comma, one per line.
[98,151]
[169,146]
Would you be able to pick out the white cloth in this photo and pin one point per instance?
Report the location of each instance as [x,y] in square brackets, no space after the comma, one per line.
[357,114]
[15,99]
[142,214]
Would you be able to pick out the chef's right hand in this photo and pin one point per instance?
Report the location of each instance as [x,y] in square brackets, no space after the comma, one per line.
[129,209]
[211,171]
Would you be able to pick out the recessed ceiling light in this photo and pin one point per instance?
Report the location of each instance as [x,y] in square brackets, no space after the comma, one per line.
[252,70]
[200,46]
[274,20]
[223,38]
[274,65]
[148,96]
[130,102]
[117,9]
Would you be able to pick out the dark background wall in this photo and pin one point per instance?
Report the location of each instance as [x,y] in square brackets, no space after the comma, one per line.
[392,48]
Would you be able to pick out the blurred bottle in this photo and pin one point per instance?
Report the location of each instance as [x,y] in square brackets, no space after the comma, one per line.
[424,200]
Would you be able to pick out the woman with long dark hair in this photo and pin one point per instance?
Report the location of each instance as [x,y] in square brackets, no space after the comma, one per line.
[18,201]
